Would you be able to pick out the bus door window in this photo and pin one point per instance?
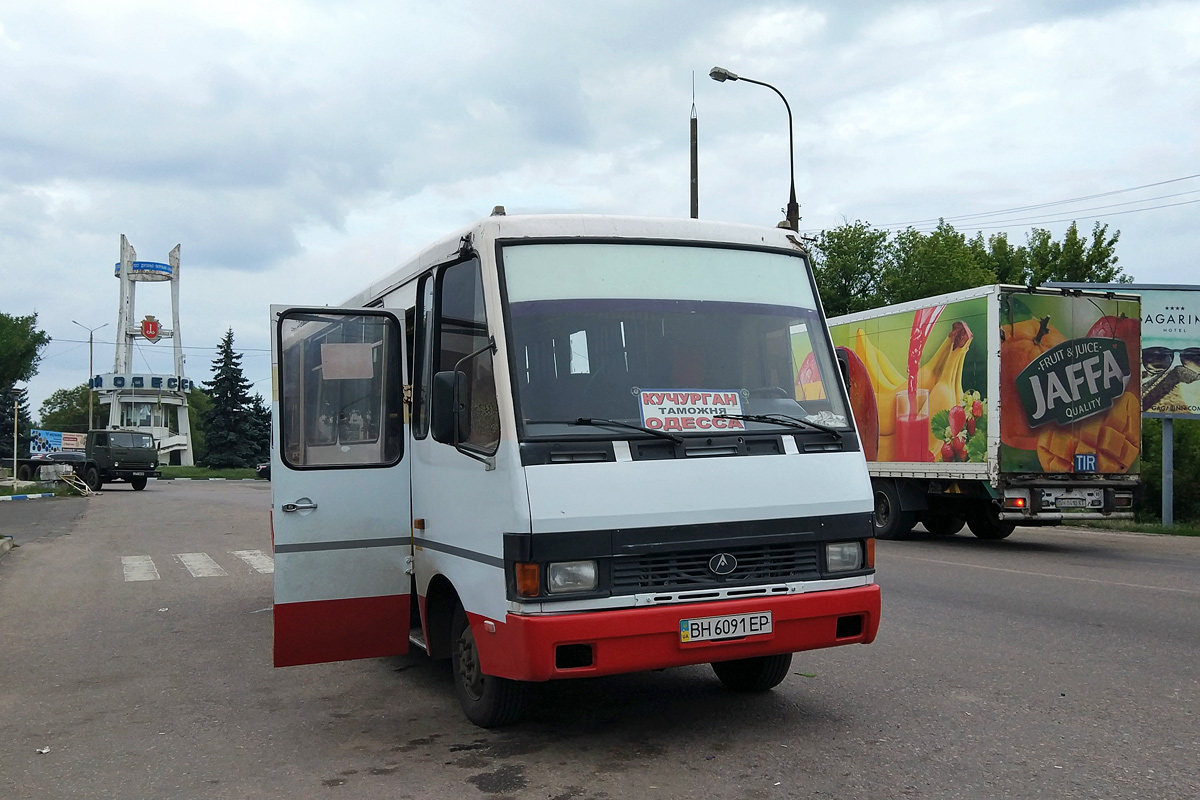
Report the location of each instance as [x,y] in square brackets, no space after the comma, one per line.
[341,380]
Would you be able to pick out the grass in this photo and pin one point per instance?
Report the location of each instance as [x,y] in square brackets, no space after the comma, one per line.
[205,472]
[58,490]
[1182,529]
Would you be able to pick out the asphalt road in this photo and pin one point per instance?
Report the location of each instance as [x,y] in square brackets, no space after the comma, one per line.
[1054,664]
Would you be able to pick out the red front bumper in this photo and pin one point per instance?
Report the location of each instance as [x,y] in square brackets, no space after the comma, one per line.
[631,640]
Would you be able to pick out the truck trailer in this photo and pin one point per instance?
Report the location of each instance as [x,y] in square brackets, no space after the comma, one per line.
[996,406]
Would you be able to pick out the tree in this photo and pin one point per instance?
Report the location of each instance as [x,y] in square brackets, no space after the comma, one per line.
[923,265]
[66,410]
[199,405]
[21,346]
[847,263]
[858,268]
[261,427]
[1074,259]
[230,438]
[8,394]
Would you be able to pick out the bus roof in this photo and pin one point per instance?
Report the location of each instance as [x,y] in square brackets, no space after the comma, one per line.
[582,226]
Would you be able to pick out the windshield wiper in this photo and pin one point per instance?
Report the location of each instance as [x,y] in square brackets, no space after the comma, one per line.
[599,421]
[785,420]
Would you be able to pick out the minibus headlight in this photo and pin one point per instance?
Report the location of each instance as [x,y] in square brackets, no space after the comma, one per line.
[843,556]
[571,576]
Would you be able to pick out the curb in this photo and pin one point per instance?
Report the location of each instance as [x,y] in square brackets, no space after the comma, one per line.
[231,480]
[25,496]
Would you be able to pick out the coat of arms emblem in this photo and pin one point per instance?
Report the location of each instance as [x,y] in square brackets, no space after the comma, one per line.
[151,328]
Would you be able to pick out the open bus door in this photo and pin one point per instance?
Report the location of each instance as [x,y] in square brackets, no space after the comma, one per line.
[340,504]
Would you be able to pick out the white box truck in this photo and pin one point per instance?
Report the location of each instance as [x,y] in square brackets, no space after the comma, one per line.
[996,406]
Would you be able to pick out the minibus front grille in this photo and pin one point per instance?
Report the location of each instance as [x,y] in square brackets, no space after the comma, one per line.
[690,570]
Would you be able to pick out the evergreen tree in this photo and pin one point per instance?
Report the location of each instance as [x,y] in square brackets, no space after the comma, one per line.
[199,405]
[9,394]
[229,424]
[260,417]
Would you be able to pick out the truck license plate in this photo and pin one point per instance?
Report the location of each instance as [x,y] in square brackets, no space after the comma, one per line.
[732,626]
[1070,502]
[138,474]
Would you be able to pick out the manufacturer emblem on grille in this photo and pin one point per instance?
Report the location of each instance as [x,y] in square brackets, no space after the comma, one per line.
[722,564]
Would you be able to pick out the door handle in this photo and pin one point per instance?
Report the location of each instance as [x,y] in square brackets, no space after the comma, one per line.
[301,505]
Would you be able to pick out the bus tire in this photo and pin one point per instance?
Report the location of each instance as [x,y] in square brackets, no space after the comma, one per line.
[753,674]
[985,524]
[138,483]
[24,473]
[92,478]
[891,522]
[488,701]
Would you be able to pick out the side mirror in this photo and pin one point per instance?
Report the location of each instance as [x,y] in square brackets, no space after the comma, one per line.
[844,365]
[447,421]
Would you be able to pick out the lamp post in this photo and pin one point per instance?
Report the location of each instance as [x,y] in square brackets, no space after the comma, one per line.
[720,75]
[16,398]
[91,373]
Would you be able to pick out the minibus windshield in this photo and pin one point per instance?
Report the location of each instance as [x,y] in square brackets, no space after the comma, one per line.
[678,338]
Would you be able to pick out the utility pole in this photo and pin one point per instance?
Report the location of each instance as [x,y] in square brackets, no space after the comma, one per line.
[91,371]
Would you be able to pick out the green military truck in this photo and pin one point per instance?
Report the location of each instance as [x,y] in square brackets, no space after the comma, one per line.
[115,455]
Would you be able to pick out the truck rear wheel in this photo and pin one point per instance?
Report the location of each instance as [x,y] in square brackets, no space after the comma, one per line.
[891,522]
[984,522]
[24,473]
[138,483]
[91,477]
[753,674]
[942,524]
[488,701]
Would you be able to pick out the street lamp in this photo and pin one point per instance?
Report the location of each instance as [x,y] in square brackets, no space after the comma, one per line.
[720,75]
[91,373]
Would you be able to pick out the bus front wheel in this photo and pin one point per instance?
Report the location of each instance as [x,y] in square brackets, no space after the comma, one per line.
[753,674]
[488,701]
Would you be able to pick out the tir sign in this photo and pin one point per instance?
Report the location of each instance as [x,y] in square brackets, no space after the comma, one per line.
[150,329]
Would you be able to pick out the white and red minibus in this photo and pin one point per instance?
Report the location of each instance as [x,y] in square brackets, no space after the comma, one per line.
[552,447]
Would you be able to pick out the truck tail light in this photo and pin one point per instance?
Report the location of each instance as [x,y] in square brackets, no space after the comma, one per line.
[529,583]
[1015,502]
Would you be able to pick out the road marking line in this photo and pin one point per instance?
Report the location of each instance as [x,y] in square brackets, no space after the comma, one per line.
[256,558]
[139,568]
[1049,575]
[201,565]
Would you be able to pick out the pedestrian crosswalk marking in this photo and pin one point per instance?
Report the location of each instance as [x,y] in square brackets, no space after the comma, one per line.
[201,565]
[256,559]
[139,568]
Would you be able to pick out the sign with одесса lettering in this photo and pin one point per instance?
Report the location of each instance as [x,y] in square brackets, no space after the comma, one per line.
[691,411]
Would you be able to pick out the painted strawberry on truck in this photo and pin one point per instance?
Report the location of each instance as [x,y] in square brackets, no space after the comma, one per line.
[997,406]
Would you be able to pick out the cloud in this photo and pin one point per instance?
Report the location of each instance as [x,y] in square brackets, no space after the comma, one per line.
[298,150]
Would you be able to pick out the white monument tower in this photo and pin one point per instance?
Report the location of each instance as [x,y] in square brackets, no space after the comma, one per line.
[141,401]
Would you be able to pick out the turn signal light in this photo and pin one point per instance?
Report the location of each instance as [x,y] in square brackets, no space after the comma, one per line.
[529,580]
[870,554]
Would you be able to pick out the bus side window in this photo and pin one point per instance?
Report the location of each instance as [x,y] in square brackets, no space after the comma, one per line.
[462,330]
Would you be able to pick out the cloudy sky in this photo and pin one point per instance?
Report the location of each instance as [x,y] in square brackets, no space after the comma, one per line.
[297,150]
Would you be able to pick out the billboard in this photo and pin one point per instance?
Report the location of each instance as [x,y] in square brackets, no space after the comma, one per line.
[1170,353]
